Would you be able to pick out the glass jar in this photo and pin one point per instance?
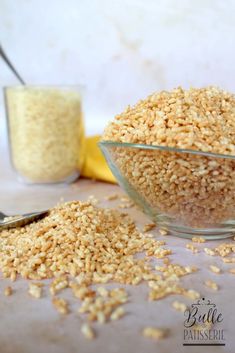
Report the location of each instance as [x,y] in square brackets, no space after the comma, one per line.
[46,132]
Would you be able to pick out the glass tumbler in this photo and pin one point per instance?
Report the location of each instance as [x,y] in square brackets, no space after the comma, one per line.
[46,132]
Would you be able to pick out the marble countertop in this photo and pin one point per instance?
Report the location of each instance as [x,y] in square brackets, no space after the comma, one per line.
[30,325]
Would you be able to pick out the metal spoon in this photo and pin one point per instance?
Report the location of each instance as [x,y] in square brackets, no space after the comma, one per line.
[10,65]
[20,220]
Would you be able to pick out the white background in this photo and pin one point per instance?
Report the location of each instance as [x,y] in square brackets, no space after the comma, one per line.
[120,50]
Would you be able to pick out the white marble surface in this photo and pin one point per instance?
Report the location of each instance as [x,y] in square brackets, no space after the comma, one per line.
[120,50]
[28,325]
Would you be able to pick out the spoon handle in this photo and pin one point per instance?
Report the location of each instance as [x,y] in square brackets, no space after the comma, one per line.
[2,215]
[7,61]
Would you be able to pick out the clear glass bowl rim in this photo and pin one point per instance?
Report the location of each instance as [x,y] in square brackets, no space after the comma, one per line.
[163,148]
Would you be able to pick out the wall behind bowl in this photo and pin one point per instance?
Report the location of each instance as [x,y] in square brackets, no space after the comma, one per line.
[120,50]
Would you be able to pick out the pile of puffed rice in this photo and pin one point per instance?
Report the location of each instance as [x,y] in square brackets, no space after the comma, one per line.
[190,189]
[79,245]
[82,247]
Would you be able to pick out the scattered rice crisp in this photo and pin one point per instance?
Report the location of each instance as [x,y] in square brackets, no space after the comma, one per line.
[8,291]
[58,284]
[198,240]
[163,231]
[81,291]
[148,227]
[192,294]
[117,313]
[103,292]
[229,260]
[211,284]
[225,249]
[35,290]
[215,269]
[87,331]
[209,251]
[155,333]
[191,247]
[61,305]
[111,197]
[179,306]
[13,276]
[127,204]
[106,307]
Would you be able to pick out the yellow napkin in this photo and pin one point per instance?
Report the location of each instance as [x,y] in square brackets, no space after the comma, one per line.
[95,166]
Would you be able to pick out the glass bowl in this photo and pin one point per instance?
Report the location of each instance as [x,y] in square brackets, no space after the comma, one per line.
[191,193]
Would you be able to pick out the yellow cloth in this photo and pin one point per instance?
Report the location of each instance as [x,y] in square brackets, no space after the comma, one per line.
[95,166]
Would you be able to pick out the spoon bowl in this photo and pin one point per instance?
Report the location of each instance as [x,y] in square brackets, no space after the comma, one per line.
[7,222]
